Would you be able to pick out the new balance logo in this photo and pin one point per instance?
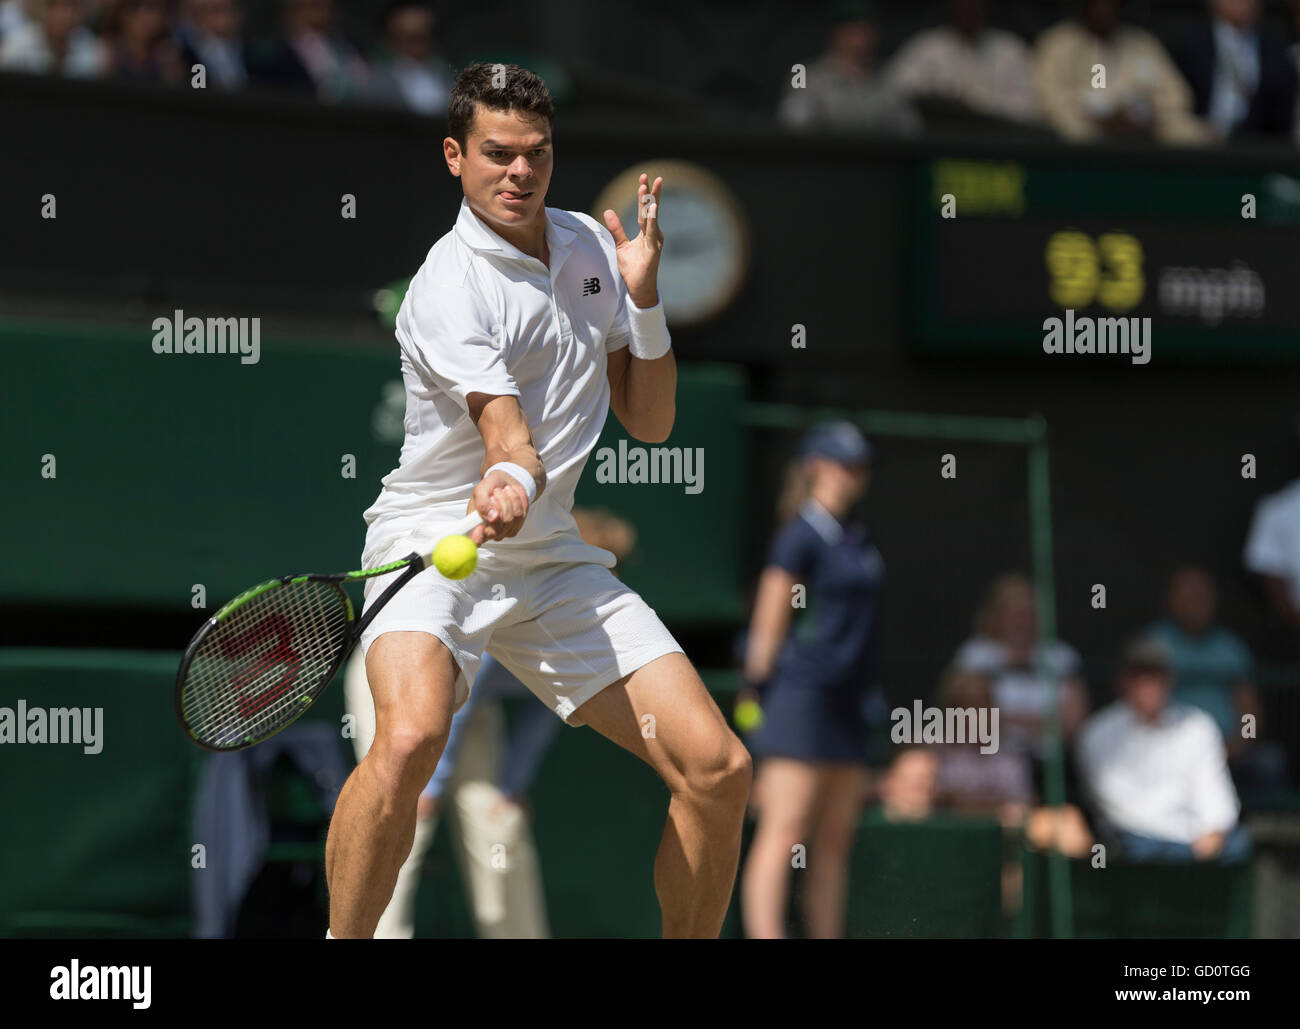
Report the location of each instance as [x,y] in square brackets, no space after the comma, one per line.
[590,286]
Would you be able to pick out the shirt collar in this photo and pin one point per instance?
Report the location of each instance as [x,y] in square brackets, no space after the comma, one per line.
[475,234]
[823,522]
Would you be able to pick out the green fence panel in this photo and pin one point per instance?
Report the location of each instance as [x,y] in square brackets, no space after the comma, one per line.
[96,843]
[175,470]
[938,878]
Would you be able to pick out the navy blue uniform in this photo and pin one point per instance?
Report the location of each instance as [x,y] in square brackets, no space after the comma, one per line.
[813,704]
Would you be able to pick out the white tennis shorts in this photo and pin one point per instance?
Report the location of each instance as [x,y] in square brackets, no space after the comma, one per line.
[566,629]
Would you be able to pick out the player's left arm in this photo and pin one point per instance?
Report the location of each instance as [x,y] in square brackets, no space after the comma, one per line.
[643,389]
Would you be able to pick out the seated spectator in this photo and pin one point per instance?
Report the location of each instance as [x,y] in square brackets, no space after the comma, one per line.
[314,54]
[842,90]
[410,74]
[1144,95]
[140,42]
[1157,772]
[1241,77]
[1213,671]
[984,68]
[907,788]
[54,41]
[209,34]
[1006,648]
[1000,783]
[13,14]
[1273,554]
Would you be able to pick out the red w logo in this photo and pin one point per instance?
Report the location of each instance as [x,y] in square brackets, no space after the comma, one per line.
[281,655]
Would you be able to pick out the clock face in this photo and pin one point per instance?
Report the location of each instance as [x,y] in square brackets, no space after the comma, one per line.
[706,239]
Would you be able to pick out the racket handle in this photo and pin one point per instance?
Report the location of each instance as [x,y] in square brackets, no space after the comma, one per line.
[463,527]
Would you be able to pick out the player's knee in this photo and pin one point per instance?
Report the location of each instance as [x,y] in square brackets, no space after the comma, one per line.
[408,753]
[725,775]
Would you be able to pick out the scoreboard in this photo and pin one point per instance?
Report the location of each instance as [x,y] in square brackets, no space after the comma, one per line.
[1211,256]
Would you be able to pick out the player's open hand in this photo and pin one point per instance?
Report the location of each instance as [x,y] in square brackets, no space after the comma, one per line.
[638,259]
[502,504]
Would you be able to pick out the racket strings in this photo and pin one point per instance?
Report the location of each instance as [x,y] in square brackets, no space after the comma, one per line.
[252,671]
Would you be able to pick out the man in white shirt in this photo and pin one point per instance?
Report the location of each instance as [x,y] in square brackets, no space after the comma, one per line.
[1273,553]
[522,329]
[1157,772]
[986,69]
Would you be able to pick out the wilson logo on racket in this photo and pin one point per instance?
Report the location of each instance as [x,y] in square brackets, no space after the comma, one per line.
[281,655]
[295,632]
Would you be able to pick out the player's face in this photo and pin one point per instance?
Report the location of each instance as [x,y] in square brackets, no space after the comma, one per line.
[505,167]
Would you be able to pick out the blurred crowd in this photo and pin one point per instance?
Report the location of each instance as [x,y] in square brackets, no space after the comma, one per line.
[1091,76]
[1160,764]
[164,41]
[1224,74]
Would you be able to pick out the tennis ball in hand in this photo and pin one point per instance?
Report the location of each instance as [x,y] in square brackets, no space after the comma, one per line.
[456,557]
[748,715]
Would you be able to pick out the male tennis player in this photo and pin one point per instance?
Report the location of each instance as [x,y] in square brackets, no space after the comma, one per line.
[520,331]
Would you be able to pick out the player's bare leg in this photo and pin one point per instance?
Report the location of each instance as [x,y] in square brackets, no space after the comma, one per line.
[708,772]
[787,797]
[412,677]
[840,789]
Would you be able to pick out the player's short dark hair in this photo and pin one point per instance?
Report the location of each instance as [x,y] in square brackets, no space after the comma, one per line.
[523,92]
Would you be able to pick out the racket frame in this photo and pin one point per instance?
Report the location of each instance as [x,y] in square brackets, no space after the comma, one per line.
[415,562]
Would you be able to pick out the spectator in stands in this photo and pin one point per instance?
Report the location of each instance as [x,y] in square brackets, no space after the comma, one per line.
[314,54]
[986,69]
[410,73]
[999,783]
[209,34]
[1157,772]
[1213,670]
[842,90]
[140,42]
[1096,79]
[908,787]
[1006,648]
[54,41]
[1273,554]
[1241,77]
[13,14]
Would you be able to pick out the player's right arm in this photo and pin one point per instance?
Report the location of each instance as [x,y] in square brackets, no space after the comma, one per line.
[499,498]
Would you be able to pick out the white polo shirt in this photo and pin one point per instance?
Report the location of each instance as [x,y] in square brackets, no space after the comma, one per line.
[1169,780]
[481,316]
[1273,543]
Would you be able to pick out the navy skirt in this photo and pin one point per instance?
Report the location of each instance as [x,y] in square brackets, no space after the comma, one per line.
[811,725]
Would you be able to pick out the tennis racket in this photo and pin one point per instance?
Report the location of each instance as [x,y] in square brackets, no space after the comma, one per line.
[257,664]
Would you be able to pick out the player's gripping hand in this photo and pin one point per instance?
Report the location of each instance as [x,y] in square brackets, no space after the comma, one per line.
[502,504]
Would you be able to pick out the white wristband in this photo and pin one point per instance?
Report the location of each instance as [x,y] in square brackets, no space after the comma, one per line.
[519,474]
[650,339]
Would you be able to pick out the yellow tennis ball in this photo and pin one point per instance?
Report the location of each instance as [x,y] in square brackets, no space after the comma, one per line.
[456,557]
[748,715]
